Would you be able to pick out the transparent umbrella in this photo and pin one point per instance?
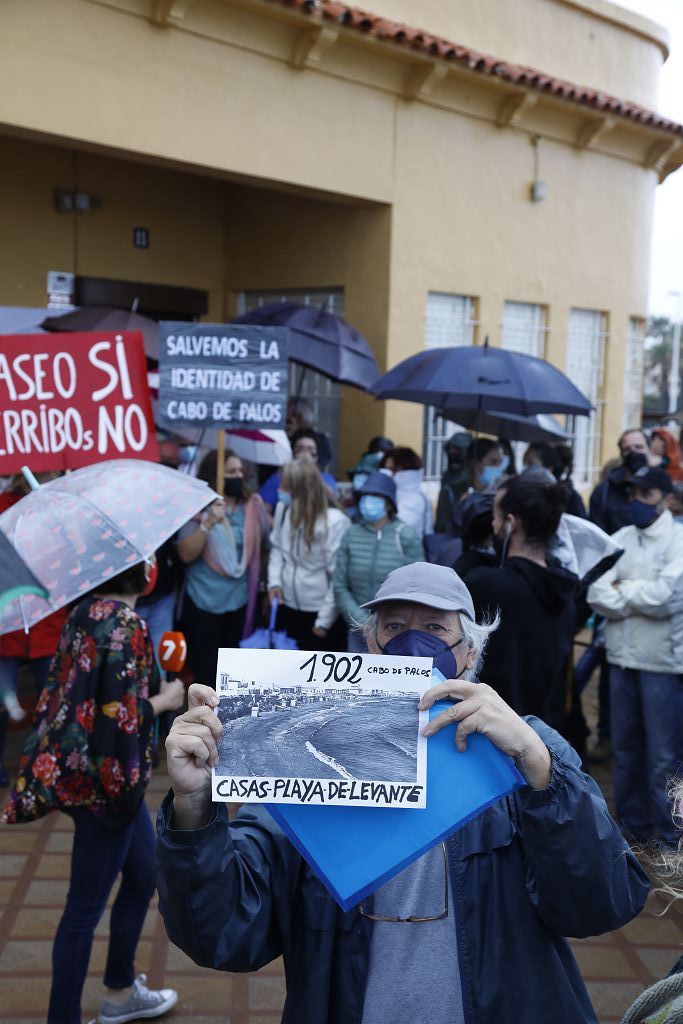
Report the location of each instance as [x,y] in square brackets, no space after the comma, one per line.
[83,528]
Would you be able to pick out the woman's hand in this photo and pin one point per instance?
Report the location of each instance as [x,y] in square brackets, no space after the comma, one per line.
[480,709]
[173,692]
[215,513]
[192,750]
[319,632]
[275,593]
[171,696]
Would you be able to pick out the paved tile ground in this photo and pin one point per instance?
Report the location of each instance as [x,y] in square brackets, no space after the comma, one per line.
[34,868]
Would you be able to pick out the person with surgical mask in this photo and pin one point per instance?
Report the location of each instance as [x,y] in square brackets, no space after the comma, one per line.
[374,545]
[414,506]
[487,463]
[641,600]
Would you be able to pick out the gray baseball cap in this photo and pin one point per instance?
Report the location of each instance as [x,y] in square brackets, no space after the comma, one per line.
[437,586]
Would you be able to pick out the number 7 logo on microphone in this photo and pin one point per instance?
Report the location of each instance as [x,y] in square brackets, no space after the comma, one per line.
[172,652]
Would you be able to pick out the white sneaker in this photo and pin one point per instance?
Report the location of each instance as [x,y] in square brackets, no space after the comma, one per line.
[142,1003]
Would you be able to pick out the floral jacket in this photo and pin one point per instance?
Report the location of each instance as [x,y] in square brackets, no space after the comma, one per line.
[91,744]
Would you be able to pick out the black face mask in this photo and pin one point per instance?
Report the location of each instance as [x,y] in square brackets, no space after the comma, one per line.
[233,487]
[635,461]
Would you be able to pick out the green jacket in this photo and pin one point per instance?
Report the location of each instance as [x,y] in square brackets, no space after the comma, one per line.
[365,559]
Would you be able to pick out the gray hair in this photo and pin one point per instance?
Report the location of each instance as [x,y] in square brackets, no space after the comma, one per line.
[476,635]
[667,864]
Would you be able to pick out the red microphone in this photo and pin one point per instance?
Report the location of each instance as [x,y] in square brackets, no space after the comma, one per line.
[172,652]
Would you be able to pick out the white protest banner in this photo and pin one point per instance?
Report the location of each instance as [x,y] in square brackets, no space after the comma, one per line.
[317,727]
[222,375]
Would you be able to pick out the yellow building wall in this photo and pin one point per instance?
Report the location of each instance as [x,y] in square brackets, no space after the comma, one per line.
[464,223]
[432,200]
[216,236]
[592,42]
[116,81]
[184,215]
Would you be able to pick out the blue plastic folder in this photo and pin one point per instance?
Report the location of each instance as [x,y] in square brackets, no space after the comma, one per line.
[354,851]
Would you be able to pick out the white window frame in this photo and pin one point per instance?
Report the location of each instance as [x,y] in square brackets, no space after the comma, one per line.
[450,320]
[634,362]
[524,328]
[587,370]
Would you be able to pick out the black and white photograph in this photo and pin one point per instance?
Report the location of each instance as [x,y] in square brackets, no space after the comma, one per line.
[287,726]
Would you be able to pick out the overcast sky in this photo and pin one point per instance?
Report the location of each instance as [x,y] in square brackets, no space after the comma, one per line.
[666,271]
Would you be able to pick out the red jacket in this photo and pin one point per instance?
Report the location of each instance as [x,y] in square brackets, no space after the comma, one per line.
[41,639]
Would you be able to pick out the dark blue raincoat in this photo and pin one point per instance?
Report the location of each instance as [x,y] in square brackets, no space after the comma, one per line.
[533,868]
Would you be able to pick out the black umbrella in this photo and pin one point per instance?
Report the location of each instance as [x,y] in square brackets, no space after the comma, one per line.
[321,341]
[106,318]
[541,427]
[482,378]
[16,579]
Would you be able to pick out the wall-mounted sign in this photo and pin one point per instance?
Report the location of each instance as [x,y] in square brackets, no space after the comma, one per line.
[61,288]
[141,238]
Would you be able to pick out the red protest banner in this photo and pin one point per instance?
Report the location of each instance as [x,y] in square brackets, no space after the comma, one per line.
[70,400]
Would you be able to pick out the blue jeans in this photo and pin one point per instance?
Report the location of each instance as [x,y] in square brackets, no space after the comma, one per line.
[98,855]
[647,747]
[159,618]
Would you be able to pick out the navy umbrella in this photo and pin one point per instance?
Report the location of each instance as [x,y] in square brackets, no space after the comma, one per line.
[321,341]
[16,579]
[107,318]
[541,427]
[482,378]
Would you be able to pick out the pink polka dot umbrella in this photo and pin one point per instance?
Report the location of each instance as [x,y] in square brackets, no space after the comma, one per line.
[78,531]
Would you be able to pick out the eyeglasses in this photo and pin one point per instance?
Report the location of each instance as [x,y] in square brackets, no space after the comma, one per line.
[414,919]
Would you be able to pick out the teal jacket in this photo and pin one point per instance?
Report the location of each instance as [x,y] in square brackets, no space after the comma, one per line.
[365,559]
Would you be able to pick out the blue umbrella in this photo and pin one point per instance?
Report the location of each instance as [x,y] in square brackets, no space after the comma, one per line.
[321,341]
[269,639]
[16,579]
[484,379]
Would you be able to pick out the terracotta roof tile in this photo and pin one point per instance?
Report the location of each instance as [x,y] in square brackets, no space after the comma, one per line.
[423,42]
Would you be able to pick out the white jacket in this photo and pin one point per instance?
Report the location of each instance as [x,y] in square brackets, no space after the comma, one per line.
[414,507]
[305,574]
[644,612]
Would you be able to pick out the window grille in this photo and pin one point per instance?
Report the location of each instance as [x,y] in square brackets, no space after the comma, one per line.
[586,343]
[449,320]
[633,373]
[524,328]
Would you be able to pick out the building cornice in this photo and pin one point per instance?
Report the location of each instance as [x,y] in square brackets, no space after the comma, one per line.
[325,23]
